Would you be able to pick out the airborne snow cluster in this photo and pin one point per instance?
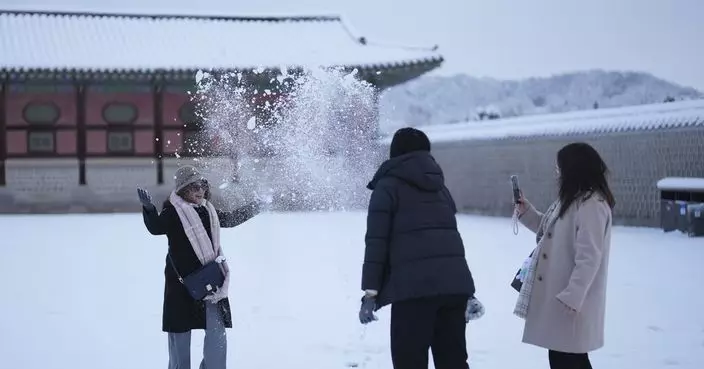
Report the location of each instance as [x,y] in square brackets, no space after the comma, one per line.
[304,142]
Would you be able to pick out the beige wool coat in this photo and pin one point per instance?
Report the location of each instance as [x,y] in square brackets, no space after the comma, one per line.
[572,270]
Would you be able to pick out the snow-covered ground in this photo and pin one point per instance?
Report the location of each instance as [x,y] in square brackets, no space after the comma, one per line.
[85,291]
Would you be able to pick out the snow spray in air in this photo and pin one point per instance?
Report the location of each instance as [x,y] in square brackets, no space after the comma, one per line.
[306,141]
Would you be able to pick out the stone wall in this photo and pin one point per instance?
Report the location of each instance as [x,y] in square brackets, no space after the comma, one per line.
[52,185]
[477,171]
[41,181]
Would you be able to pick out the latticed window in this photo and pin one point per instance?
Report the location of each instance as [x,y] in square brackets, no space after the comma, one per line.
[120,142]
[120,113]
[41,142]
[44,113]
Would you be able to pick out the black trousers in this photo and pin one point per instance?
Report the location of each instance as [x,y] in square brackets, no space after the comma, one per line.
[564,360]
[435,323]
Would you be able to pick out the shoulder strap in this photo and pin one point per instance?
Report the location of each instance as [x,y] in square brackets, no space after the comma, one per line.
[173,265]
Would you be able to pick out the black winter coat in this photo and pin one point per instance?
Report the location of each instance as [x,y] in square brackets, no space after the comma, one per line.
[413,248]
[181,313]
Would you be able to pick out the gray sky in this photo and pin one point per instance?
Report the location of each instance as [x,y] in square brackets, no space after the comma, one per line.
[494,38]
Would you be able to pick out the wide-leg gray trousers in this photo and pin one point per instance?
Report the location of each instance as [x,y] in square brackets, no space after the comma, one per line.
[214,347]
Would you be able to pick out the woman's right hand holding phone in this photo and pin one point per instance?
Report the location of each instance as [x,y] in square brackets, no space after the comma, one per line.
[522,205]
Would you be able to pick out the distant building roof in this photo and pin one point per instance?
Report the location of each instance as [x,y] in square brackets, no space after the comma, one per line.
[102,42]
[599,121]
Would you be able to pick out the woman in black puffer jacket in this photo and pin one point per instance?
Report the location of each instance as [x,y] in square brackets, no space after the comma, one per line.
[414,259]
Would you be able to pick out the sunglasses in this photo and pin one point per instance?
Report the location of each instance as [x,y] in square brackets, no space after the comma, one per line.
[195,186]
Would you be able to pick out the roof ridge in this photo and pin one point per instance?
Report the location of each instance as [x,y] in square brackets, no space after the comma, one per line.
[615,112]
[347,27]
[681,114]
[98,14]
[355,35]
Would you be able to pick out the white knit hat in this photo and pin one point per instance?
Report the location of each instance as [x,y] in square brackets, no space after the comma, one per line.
[186,175]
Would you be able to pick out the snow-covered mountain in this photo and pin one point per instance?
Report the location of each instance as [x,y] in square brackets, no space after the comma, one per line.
[440,100]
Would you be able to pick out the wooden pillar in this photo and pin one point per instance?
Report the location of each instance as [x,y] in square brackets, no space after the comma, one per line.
[158,98]
[3,135]
[81,136]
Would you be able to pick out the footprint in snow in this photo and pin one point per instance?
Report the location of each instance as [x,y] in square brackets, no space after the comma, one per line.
[671,362]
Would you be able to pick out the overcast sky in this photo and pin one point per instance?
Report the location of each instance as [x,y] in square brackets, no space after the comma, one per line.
[494,38]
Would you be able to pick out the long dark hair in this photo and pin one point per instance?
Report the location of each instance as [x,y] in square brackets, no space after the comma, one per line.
[581,171]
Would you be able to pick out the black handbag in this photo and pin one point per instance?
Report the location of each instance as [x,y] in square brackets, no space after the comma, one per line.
[204,281]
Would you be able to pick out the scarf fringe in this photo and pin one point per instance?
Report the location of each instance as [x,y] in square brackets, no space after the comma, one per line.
[523,301]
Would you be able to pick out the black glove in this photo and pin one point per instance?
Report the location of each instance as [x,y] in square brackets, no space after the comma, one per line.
[145,199]
[366,311]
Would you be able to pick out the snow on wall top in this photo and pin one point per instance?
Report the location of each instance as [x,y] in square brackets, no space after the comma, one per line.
[681,183]
[99,42]
[599,121]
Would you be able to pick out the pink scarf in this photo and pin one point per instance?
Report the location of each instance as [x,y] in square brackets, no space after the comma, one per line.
[206,250]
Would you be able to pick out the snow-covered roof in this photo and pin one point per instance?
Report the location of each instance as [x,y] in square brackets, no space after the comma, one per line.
[598,121]
[122,42]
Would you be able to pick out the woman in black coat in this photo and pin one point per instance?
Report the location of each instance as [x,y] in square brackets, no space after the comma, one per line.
[181,313]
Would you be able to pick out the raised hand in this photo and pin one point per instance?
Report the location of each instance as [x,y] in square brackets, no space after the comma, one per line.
[145,198]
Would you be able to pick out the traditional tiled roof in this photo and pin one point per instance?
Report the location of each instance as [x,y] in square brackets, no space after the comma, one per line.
[599,121]
[92,42]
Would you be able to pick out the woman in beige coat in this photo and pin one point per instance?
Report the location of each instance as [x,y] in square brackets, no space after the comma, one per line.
[563,296]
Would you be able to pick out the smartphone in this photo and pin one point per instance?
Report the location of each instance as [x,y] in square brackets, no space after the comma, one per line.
[516,189]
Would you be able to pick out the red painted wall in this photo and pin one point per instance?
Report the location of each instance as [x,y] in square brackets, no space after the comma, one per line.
[66,142]
[173,125]
[18,98]
[97,98]
[171,106]
[173,141]
[16,101]
[16,142]
[96,101]
[144,142]
[96,142]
